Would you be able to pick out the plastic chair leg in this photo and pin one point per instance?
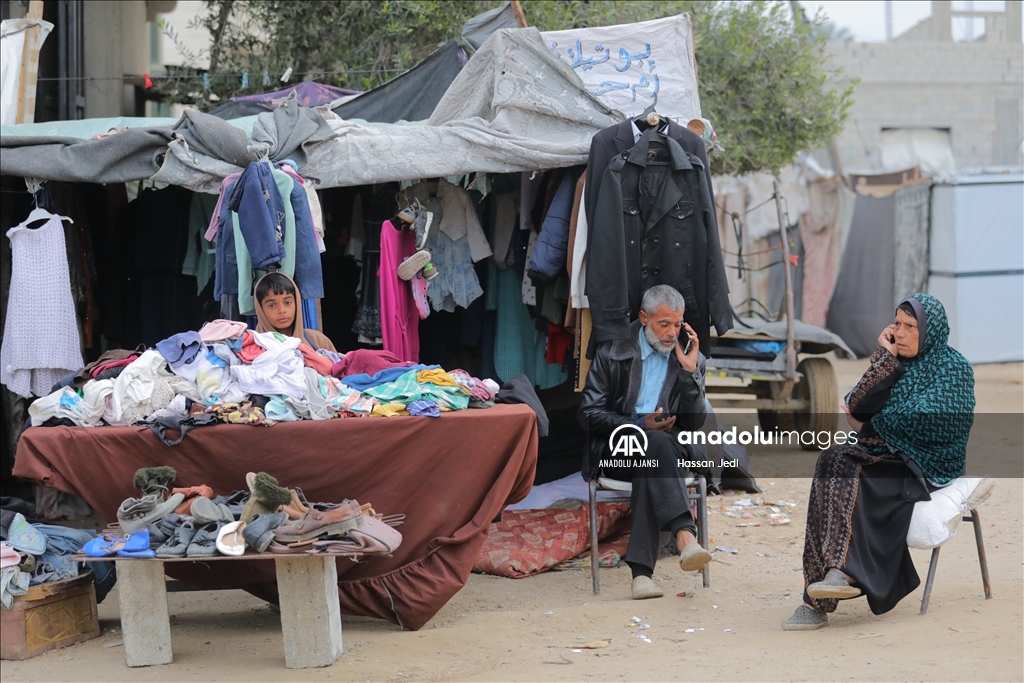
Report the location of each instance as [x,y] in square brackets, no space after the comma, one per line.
[982,559]
[931,579]
[702,526]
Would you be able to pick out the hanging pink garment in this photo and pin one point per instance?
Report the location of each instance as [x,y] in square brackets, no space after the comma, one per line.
[399,319]
[817,232]
[211,231]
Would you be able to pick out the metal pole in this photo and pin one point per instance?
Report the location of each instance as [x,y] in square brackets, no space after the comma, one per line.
[790,335]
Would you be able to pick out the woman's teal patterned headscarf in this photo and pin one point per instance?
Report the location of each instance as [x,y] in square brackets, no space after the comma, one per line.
[931,408]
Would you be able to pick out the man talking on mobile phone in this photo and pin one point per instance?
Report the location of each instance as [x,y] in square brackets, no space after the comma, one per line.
[640,392]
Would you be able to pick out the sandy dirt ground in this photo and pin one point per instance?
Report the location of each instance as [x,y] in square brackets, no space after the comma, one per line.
[499,629]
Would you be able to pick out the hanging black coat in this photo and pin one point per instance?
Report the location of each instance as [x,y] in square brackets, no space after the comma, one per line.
[654,224]
[614,140]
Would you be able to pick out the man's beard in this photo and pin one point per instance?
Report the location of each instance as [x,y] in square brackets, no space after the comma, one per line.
[655,342]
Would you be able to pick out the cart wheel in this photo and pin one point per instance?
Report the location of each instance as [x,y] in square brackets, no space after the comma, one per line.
[818,387]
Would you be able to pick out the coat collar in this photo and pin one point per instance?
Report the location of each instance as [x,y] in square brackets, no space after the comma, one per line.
[638,155]
[628,348]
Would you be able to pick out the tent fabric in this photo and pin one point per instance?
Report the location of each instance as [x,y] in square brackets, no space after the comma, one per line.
[134,154]
[411,96]
[910,240]
[812,339]
[233,109]
[513,107]
[309,93]
[476,31]
[404,465]
[84,129]
[862,303]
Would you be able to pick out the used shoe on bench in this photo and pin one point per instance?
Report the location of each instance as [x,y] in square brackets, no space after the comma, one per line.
[259,533]
[177,544]
[204,543]
[373,537]
[266,496]
[108,544]
[321,522]
[230,539]
[234,502]
[297,507]
[135,513]
[206,511]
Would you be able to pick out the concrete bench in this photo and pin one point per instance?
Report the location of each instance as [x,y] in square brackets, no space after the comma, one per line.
[307,586]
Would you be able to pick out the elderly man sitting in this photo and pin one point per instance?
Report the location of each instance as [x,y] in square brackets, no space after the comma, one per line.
[649,386]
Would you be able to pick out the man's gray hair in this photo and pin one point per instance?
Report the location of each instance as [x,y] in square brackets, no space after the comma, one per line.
[659,295]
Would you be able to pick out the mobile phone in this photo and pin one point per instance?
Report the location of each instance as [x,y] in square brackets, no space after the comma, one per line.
[689,345]
[892,339]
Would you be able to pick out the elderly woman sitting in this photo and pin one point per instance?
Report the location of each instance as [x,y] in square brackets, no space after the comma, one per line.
[913,410]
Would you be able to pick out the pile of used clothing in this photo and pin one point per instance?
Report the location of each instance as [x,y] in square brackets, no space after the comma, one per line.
[170,523]
[33,553]
[226,372]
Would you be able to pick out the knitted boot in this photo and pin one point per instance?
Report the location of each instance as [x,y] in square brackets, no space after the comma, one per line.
[154,480]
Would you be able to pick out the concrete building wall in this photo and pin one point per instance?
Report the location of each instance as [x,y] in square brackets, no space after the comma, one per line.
[975,90]
[117,44]
[195,40]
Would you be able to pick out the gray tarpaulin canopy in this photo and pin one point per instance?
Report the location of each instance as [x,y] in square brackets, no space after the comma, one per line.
[411,96]
[513,107]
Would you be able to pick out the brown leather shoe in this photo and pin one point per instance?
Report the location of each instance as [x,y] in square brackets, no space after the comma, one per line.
[295,509]
[317,522]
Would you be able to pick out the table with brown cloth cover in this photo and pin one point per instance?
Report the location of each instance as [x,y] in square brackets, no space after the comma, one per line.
[450,476]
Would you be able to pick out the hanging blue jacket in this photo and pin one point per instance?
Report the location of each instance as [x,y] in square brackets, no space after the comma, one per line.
[309,274]
[226,272]
[549,254]
[254,197]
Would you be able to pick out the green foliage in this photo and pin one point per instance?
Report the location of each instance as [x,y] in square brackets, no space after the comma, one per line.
[764,82]
[764,85]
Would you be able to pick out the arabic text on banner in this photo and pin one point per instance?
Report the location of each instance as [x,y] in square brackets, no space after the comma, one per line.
[632,66]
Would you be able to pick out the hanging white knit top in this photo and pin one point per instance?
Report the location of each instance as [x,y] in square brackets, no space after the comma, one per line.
[41,342]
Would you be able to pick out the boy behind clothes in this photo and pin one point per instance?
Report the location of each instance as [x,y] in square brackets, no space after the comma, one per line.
[279,309]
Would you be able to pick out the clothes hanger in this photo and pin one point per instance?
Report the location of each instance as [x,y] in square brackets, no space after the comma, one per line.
[650,118]
[41,214]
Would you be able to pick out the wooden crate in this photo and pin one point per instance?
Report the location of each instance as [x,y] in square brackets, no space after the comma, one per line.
[49,616]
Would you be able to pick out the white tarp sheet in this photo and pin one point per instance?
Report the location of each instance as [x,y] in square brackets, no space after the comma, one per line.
[631,66]
[12,48]
[977,263]
[978,224]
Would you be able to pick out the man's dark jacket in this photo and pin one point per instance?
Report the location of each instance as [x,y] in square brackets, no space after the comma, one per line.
[640,239]
[613,387]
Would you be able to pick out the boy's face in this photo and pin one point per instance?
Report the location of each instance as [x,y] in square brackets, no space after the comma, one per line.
[280,310]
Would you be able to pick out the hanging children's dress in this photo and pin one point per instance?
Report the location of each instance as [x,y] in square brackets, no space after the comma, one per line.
[41,342]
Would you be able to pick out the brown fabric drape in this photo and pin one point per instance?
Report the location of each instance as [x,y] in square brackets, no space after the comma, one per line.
[450,475]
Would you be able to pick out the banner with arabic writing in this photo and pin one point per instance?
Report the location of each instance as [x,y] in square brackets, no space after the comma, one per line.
[631,66]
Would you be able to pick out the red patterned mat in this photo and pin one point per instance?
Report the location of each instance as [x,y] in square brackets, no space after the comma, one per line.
[527,542]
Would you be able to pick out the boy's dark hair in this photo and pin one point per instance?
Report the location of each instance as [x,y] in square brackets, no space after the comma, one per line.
[276,283]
